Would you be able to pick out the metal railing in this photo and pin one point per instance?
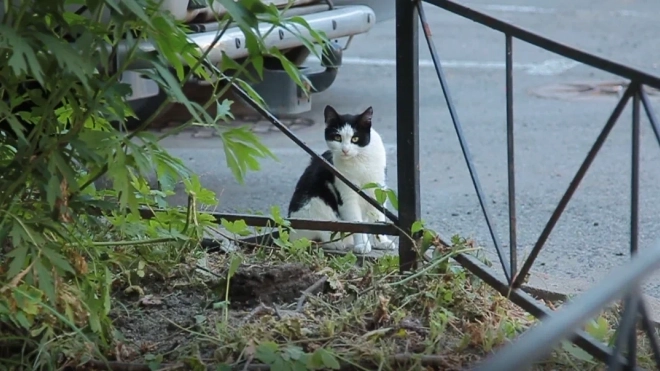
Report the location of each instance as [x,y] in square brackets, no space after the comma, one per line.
[538,342]
[564,323]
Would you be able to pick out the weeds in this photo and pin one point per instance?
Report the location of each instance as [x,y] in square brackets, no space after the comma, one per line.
[325,312]
[86,280]
[66,243]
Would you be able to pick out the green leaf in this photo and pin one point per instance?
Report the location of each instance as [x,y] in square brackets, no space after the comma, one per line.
[240,13]
[200,319]
[136,8]
[45,280]
[301,364]
[238,227]
[291,70]
[223,111]
[65,168]
[220,305]
[267,352]
[394,200]
[315,362]
[22,320]
[598,328]
[106,294]
[52,191]
[57,260]
[235,263]
[370,186]
[576,352]
[294,352]
[19,256]
[417,226]
[282,364]
[381,196]
[328,359]
[255,6]
[251,93]
[427,238]
[228,64]
[258,64]
[22,56]
[276,215]
[165,46]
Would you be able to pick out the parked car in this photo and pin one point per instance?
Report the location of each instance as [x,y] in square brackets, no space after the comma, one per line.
[340,20]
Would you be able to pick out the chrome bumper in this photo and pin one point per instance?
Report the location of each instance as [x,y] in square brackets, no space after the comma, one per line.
[337,23]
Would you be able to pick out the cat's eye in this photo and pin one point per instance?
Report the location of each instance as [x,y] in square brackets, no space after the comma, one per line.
[354,139]
[337,138]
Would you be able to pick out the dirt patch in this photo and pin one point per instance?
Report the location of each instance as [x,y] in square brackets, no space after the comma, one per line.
[300,311]
[166,318]
[270,284]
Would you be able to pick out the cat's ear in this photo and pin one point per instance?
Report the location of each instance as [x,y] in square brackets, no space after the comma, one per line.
[330,115]
[365,118]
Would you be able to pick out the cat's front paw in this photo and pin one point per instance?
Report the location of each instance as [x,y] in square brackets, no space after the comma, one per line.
[334,245]
[382,242]
[362,248]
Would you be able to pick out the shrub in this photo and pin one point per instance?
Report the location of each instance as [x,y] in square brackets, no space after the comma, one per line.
[65,242]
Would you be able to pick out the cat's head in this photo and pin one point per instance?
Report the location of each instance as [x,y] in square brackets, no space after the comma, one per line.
[347,135]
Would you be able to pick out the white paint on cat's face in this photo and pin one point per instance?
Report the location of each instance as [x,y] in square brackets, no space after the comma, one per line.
[344,148]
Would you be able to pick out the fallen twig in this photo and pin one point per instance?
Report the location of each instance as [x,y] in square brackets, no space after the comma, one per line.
[260,309]
[254,367]
[433,264]
[206,270]
[310,290]
[425,360]
[16,280]
[126,366]
[248,362]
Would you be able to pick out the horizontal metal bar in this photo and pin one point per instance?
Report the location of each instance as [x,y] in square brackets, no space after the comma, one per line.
[575,54]
[315,225]
[273,120]
[597,349]
[542,339]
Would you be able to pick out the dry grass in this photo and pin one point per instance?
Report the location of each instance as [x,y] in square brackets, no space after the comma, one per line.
[296,310]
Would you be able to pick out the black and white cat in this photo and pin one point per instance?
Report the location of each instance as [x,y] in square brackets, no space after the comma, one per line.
[357,151]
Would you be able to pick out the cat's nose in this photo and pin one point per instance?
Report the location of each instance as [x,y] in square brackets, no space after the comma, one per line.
[344,151]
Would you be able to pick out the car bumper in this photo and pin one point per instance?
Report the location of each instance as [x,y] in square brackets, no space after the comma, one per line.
[337,23]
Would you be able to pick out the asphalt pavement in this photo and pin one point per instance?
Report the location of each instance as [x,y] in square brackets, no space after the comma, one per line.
[552,135]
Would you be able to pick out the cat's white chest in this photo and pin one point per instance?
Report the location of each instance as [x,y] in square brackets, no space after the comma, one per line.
[361,174]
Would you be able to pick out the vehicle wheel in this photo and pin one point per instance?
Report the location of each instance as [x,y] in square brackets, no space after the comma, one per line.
[143,109]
